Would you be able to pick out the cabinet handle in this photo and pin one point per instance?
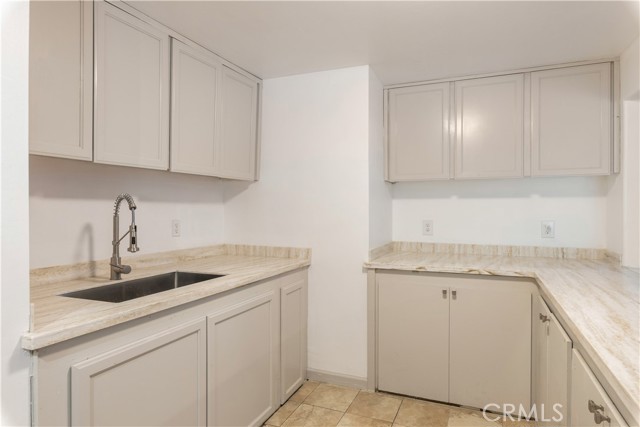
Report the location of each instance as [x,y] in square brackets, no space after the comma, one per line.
[593,407]
[444,293]
[599,417]
[545,319]
[454,294]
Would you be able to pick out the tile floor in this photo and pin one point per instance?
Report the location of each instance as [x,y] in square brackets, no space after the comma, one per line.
[320,404]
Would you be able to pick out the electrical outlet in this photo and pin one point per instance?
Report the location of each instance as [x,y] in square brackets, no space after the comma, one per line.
[548,229]
[427,227]
[175,228]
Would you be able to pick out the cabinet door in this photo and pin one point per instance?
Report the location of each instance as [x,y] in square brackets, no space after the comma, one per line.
[489,127]
[571,121]
[418,132]
[243,362]
[194,83]
[157,381]
[540,359]
[238,126]
[413,336]
[490,346]
[132,91]
[293,336]
[584,388]
[558,372]
[61,79]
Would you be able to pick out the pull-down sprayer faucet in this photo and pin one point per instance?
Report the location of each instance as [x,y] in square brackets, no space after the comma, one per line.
[117,269]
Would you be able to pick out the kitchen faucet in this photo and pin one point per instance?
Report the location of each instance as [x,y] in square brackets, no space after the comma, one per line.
[117,269]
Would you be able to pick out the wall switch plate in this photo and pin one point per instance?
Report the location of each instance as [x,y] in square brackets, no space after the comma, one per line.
[175,228]
[548,229]
[427,227]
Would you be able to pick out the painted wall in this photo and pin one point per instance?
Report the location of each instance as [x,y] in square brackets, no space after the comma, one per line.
[72,209]
[380,192]
[14,202]
[504,212]
[630,96]
[313,192]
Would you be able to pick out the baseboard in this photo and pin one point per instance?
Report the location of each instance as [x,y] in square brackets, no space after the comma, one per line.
[337,379]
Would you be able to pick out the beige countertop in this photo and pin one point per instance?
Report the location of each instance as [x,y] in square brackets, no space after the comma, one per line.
[56,319]
[597,300]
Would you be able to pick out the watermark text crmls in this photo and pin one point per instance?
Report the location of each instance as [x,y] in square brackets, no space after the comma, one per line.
[509,411]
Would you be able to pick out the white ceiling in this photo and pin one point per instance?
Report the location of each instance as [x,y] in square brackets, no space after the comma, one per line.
[402,40]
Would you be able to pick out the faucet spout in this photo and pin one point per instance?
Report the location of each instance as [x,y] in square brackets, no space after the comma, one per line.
[117,269]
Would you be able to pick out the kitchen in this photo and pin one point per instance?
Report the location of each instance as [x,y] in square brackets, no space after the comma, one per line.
[320,159]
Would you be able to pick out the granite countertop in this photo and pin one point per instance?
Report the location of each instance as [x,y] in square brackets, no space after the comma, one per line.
[56,319]
[596,299]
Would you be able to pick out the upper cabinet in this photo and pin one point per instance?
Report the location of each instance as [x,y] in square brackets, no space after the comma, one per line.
[61,78]
[237,148]
[489,127]
[418,132]
[195,80]
[132,90]
[543,123]
[571,111]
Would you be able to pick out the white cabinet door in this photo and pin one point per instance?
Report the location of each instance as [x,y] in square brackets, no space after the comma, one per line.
[413,336]
[571,121]
[61,78]
[540,359]
[159,381]
[490,329]
[243,349]
[237,141]
[585,388]
[293,334]
[489,127]
[194,84]
[558,373]
[418,132]
[132,91]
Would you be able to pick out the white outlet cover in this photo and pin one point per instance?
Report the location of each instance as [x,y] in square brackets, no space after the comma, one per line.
[427,227]
[548,229]
[175,228]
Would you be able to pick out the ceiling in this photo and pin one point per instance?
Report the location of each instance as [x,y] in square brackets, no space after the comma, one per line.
[403,41]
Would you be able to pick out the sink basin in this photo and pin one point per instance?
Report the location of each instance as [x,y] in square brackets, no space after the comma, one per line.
[132,289]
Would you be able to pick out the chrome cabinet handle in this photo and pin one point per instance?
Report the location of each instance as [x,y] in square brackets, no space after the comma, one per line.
[599,417]
[444,293]
[454,294]
[545,319]
[593,407]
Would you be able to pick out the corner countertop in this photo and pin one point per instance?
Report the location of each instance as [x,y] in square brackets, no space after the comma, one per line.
[56,319]
[596,299]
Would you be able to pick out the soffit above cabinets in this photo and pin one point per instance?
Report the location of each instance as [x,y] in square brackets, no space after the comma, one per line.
[402,41]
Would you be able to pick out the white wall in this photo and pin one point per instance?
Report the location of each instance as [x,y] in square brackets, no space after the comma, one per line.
[630,170]
[380,192]
[313,192]
[14,202]
[72,209]
[504,212]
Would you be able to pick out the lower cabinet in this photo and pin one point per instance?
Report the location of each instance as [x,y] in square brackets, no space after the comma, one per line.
[590,405]
[455,338]
[227,360]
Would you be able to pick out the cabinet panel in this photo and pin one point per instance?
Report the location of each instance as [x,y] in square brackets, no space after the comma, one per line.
[489,127]
[293,337]
[194,83]
[540,369]
[243,362]
[132,91]
[238,126]
[571,121]
[490,330]
[156,381]
[61,79]
[558,372]
[585,387]
[418,132]
[413,336]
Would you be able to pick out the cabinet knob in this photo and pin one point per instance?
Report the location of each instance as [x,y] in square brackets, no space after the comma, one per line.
[454,294]
[444,293]
[594,407]
[599,417]
[545,319]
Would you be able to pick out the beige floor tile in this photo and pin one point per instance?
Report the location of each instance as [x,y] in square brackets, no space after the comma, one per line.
[332,397]
[353,420]
[468,418]
[313,416]
[519,423]
[304,391]
[373,405]
[282,414]
[416,413]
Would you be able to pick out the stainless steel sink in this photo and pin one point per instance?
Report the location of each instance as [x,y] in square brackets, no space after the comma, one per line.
[132,289]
